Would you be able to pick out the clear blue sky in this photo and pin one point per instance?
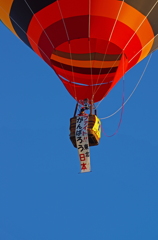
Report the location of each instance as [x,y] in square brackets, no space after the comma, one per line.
[42,196]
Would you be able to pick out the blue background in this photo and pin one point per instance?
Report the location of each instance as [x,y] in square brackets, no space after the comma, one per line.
[42,196]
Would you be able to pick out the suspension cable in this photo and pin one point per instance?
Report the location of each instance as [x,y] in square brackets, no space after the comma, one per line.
[131,39]
[32,39]
[25,33]
[47,34]
[89,43]
[121,115]
[140,25]
[105,53]
[131,92]
[68,38]
[123,99]
[39,23]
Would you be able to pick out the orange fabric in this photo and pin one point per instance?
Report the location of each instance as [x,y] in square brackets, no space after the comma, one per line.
[5,6]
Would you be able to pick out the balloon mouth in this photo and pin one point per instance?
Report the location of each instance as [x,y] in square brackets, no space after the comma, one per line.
[89,65]
[90,71]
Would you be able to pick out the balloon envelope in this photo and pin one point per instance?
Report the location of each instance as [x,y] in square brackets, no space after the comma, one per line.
[90,44]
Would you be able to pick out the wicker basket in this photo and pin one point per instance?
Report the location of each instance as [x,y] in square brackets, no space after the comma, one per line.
[93,135]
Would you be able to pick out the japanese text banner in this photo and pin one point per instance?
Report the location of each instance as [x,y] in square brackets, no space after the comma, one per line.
[82,143]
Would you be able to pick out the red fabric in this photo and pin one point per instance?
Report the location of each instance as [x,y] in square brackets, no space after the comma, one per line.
[70,33]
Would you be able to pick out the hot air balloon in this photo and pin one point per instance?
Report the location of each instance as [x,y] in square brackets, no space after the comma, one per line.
[90,44]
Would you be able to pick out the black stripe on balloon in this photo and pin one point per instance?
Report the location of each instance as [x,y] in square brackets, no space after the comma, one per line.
[21,15]
[88,56]
[93,71]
